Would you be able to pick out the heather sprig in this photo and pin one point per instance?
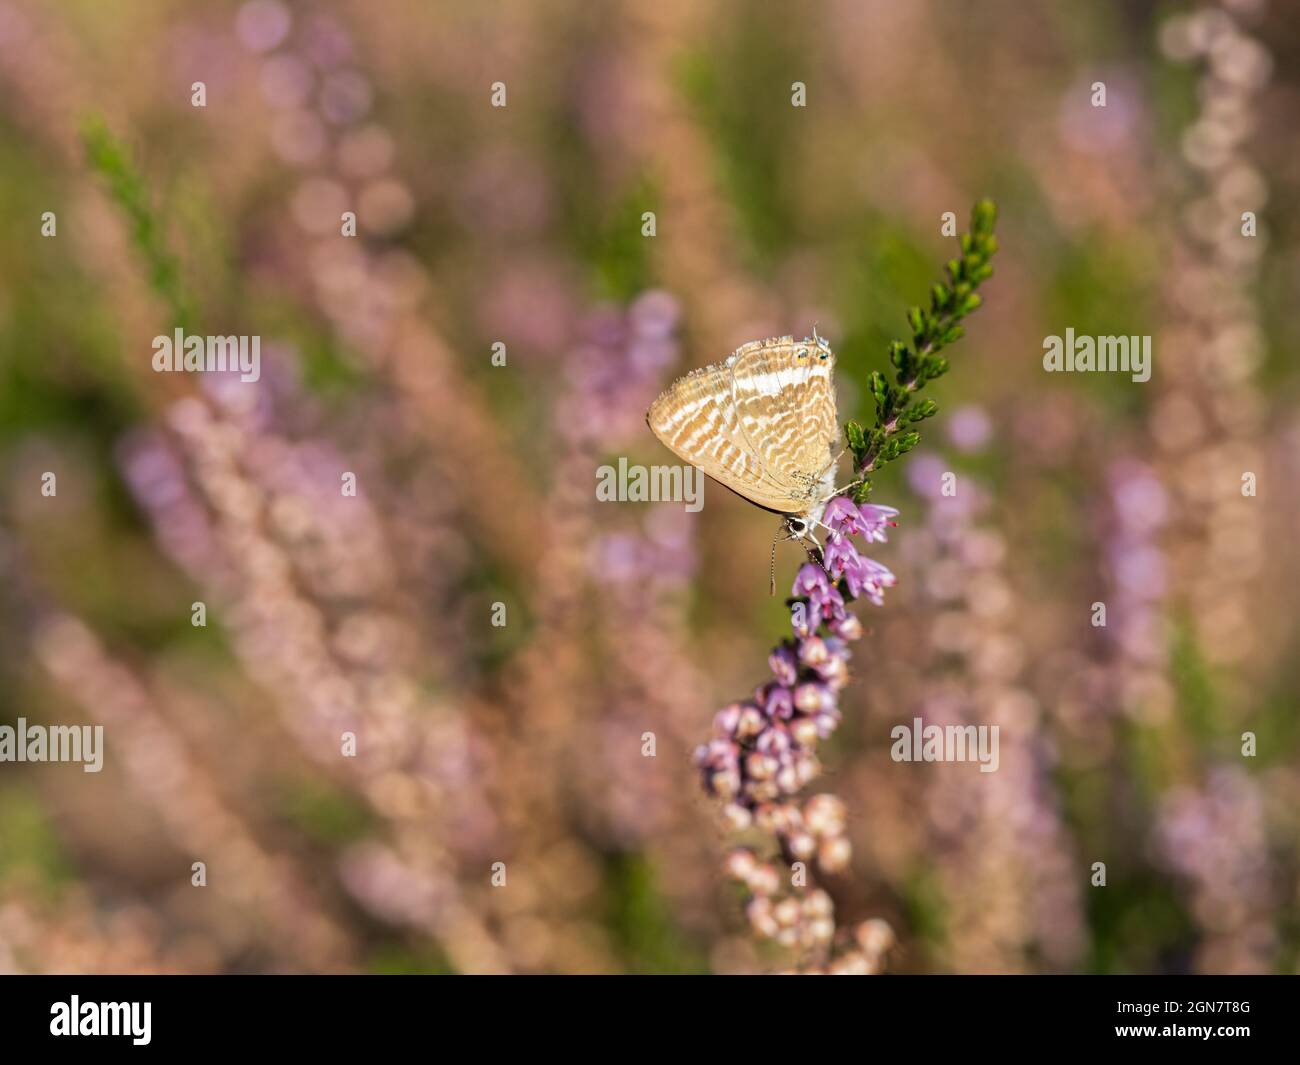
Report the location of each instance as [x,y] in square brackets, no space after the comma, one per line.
[763,752]
[918,362]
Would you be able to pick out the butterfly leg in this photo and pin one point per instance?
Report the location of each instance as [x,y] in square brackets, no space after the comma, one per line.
[824,526]
[848,487]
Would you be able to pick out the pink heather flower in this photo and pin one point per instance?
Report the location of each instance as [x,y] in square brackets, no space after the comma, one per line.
[847,627]
[870,520]
[764,746]
[843,516]
[840,555]
[827,605]
[837,647]
[751,722]
[785,666]
[870,579]
[809,579]
[835,672]
[774,740]
[775,700]
[717,754]
[812,697]
[813,651]
[876,519]
[726,720]
[858,576]
[827,721]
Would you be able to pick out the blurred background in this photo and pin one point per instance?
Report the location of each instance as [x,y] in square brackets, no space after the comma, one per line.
[521,743]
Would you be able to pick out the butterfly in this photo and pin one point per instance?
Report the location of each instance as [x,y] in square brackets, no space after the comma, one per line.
[762,423]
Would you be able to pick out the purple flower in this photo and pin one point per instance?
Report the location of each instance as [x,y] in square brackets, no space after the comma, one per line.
[877,519]
[751,722]
[726,720]
[764,748]
[775,701]
[774,740]
[827,605]
[813,651]
[717,754]
[869,520]
[840,555]
[809,579]
[785,666]
[870,579]
[847,627]
[835,672]
[827,721]
[813,697]
[843,516]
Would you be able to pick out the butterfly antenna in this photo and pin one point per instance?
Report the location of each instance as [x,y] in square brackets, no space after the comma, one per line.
[772,579]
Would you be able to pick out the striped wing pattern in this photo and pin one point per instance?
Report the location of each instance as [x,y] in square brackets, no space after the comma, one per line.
[762,422]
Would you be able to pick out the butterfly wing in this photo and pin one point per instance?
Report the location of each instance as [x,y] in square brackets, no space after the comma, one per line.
[696,419]
[785,401]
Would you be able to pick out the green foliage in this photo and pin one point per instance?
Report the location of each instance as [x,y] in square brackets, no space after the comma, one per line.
[618,254]
[109,157]
[917,362]
[325,813]
[642,923]
[29,844]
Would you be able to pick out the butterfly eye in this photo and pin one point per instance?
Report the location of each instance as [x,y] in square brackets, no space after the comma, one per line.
[803,353]
[822,356]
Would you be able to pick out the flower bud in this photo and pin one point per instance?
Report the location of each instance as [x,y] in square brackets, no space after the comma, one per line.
[813,652]
[803,845]
[787,779]
[765,880]
[785,666]
[824,815]
[751,723]
[833,854]
[787,912]
[822,931]
[726,720]
[847,627]
[811,697]
[740,864]
[773,740]
[759,766]
[804,732]
[759,912]
[874,936]
[725,784]
[818,903]
[738,818]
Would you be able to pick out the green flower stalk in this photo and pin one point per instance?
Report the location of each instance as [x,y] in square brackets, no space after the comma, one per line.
[919,362]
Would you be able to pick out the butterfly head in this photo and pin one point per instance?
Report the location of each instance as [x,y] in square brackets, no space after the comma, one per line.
[802,527]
